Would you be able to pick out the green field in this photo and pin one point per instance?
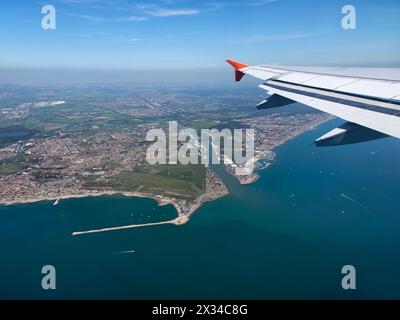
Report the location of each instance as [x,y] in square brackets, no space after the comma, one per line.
[11,166]
[186,182]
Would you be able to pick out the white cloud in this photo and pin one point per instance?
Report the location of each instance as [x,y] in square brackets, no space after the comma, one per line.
[260,3]
[78,2]
[87,17]
[92,35]
[132,18]
[108,37]
[156,11]
[99,19]
[134,39]
[278,37]
[220,5]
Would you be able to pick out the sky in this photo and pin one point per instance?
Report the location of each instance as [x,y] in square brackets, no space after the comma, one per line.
[186,34]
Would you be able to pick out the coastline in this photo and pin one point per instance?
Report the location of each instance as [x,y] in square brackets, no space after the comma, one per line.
[183,214]
[252,178]
[162,201]
[180,220]
[159,199]
[182,217]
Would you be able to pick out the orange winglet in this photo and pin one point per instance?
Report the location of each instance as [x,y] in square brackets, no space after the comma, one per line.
[237,65]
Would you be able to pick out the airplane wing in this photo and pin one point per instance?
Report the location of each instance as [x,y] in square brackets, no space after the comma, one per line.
[367,98]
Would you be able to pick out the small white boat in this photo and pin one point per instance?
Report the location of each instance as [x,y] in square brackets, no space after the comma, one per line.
[56,202]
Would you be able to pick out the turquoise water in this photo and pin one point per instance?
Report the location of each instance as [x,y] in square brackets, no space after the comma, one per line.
[286,236]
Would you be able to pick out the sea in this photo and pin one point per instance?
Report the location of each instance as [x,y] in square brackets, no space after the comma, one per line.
[287,236]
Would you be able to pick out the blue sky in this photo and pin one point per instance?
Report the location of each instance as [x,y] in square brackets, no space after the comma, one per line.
[185,34]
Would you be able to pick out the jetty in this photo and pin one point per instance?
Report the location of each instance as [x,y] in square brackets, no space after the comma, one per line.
[181,220]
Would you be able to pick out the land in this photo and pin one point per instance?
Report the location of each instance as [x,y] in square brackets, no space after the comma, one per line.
[271,132]
[69,142]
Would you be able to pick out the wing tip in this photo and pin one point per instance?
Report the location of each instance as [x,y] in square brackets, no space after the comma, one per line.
[237,65]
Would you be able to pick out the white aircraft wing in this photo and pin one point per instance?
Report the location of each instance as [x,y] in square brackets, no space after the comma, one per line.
[369,99]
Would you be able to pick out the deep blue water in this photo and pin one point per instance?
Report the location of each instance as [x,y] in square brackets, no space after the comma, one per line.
[286,236]
[14,134]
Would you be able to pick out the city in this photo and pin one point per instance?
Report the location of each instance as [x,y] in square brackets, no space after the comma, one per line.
[78,147]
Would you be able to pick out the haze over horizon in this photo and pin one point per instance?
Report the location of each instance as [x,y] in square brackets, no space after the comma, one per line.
[186,35]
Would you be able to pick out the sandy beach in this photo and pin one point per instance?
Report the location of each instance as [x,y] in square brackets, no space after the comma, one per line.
[160,200]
